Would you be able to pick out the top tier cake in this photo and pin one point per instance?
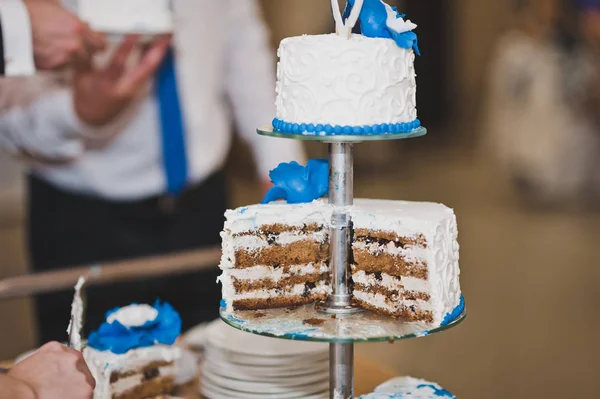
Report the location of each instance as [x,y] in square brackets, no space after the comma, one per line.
[359,84]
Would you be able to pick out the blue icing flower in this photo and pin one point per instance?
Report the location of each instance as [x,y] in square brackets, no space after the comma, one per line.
[119,339]
[299,184]
[450,317]
[377,20]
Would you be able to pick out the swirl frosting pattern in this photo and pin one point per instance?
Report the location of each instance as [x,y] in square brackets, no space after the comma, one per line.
[330,80]
[446,278]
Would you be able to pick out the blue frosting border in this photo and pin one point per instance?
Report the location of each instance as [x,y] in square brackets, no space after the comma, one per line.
[310,129]
[458,310]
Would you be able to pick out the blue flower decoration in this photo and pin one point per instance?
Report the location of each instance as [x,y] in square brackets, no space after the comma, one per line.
[119,339]
[373,23]
[299,184]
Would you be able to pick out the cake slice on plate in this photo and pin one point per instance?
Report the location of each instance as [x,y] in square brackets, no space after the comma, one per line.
[132,355]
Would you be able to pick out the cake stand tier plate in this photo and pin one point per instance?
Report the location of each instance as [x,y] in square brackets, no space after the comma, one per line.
[341,138]
[306,323]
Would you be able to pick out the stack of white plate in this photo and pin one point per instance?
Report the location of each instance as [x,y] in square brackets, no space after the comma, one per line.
[238,365]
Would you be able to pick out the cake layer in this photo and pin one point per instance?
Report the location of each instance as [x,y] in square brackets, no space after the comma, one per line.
[357,82]
[291,295]
[383,238]
[383,283]
[410,311]
[301,252]
[265,277]
[396,265]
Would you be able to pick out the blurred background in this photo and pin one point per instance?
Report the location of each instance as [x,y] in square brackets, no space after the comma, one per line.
[510,93]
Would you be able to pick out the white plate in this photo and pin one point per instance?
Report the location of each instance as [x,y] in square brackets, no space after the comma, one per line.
[281,385]
[222,336]
[297,361]
[280,381]
[209,389]
[290,368]
[258,373]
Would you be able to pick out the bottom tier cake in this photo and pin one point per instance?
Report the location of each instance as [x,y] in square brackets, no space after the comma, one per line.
[404,257]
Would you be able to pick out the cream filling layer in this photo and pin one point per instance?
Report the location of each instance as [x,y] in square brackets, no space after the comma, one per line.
[253,242]
[321,287]
[392,283]
[386,303]
[123,385]
[276,274]
[408,253]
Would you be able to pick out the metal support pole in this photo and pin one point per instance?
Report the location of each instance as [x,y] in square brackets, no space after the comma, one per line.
[341,371]
[341,188]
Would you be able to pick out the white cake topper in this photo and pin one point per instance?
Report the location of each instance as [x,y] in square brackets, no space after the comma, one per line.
[341,28]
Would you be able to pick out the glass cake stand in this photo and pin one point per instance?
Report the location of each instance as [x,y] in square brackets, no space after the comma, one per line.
[308,323]
[268,130]
[335,321]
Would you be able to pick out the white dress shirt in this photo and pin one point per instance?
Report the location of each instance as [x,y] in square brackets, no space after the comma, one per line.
[223,59]
[18,44]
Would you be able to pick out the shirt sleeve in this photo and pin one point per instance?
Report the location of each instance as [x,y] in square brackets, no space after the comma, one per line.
[47,130]
[17,42]
[251,86]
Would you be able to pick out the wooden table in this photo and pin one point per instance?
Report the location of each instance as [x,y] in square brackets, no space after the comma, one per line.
[368,375]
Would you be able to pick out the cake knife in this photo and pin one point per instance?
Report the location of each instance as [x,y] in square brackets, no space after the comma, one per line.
[76,322]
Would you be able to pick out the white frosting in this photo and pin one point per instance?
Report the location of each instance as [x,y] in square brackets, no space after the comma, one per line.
[435,222]
[392,283]
[253,242]
[406,388]
[276,274]
[76,323]
[127,16]
[408,253]
[103,364]
[133,315]
[329,79]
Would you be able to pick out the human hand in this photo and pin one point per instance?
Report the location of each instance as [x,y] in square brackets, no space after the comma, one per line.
[59,37]
[55,371]
[100,94]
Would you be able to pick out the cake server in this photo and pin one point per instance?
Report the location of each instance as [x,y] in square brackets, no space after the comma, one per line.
[76,323]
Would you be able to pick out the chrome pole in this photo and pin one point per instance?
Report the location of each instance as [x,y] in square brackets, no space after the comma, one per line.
[341,189]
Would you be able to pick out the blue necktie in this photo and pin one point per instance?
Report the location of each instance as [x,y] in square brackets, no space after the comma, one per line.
[172,125]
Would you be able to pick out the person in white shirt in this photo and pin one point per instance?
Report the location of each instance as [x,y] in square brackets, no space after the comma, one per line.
[126,177]
[42,34]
